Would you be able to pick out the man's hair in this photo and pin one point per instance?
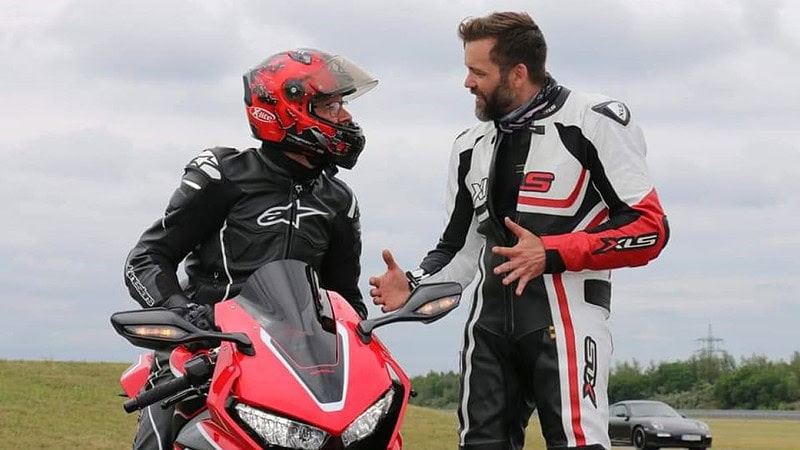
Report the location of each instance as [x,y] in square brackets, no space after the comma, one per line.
[518,41]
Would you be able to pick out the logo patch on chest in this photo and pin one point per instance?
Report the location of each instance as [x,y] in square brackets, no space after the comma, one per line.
[283,214]
[479,190]
[537,181]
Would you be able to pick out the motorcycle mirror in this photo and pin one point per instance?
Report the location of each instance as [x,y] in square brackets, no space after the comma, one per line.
[427,303]
[162,329]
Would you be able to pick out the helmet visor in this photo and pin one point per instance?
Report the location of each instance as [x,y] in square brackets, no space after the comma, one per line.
[340,76]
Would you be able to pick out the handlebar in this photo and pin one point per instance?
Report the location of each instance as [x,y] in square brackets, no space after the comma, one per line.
[198,371]
[157,393]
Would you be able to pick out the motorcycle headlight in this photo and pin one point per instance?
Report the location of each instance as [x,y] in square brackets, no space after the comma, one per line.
[365,424]
[280,431]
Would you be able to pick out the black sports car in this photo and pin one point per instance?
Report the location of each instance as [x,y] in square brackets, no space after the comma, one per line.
[650,425]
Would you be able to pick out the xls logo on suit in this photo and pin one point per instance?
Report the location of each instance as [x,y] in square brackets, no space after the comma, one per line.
[621,243]
[537,181]
[590,369]
[479,190]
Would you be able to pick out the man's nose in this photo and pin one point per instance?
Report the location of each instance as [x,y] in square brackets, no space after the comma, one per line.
[469,82]
[344,116]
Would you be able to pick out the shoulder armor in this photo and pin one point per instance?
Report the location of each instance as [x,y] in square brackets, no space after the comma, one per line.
[208,162]
[614,110]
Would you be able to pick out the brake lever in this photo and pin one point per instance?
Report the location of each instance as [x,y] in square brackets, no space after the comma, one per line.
[200,391]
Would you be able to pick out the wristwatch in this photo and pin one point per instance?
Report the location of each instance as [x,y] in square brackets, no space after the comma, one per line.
[415,277]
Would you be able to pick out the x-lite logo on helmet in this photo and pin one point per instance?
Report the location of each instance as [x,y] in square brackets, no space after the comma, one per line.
[282,214]
[262,115]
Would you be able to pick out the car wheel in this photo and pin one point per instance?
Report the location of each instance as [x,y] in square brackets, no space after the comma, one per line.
[639,439]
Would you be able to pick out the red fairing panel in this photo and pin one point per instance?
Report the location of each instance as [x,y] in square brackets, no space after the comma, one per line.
[630,245]
[134,378]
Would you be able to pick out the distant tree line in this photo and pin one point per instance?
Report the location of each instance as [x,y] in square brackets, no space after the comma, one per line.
[436,390]
[701,382]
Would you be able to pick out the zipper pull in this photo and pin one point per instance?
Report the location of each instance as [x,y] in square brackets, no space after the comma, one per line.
[298,189]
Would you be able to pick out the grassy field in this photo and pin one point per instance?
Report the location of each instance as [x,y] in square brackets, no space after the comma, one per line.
[59,405]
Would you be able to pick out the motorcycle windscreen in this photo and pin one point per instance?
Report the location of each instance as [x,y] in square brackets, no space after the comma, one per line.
[297,325]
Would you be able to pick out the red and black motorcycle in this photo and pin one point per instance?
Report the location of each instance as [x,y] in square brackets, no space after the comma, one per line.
[293,367]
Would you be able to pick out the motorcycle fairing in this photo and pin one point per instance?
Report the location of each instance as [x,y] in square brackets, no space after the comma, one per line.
[202,434]
[328,392]
[135,376]
[286,301]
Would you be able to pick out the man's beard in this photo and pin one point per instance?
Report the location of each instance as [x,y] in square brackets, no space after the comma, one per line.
[497,103]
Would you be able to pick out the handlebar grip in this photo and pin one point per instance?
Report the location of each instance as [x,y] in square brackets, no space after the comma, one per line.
[158,392]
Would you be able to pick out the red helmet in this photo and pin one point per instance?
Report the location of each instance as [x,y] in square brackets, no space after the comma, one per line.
[278,95]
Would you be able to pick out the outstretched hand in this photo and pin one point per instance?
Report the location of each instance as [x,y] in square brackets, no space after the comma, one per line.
[391,289]
[526,259]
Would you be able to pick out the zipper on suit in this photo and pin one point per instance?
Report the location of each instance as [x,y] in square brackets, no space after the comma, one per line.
[294,194]
[496,221]
[508,298]
[527,143]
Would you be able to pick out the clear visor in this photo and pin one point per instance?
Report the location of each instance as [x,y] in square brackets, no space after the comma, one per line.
[340,76]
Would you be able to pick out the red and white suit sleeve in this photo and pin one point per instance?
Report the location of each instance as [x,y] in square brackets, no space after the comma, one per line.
[633,228]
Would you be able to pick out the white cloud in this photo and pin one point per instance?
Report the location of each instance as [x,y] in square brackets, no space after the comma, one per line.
[105,103]
[148,40]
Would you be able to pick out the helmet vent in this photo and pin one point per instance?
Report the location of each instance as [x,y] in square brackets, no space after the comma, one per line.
[294,89]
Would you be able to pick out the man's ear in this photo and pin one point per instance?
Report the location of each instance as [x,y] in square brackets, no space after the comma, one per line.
[519,74]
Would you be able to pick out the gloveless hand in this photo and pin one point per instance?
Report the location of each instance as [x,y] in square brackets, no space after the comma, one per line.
[526,259]
[391,289]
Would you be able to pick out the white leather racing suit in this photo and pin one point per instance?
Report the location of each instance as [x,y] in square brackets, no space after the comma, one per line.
[571,169]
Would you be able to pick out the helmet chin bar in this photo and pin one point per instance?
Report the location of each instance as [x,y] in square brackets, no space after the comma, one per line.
[356,143]
[315,155]
[313,144]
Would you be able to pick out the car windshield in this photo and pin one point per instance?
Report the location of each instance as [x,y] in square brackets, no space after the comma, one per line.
[297,324]
[652,409]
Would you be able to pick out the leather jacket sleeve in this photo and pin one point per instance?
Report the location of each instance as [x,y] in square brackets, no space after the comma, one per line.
[457,252]
[197,208]
[341,268]
[636,229]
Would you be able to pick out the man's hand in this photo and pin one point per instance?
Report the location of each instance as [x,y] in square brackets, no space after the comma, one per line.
[525,260]
[201,316]
[390,289]
[177,303]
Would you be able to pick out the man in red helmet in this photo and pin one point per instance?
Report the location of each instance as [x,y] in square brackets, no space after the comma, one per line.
[235,211]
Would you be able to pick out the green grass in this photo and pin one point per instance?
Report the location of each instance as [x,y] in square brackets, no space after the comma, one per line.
[427,429]
[60,405]
[46,404]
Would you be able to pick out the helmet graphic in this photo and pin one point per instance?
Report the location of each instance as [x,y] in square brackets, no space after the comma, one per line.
[280,95]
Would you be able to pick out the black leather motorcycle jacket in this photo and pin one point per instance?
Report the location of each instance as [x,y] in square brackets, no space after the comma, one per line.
[237,210]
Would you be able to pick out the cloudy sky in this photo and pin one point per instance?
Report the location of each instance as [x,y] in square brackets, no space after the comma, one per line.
[104,102]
